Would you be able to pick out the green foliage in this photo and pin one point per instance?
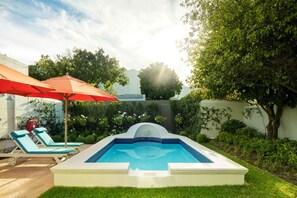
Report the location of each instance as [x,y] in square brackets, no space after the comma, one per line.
[248,131]
[57,138]
[101,137]
[201,138]
[152,108]
[160,119]
[45,114]
[186,112]
[246,49]
[277,156]
[144,117]
[214,116]
[159,82]
[92,67]
[118,120]
[71,137]
[80,138]
[104,118]
[231,126]
[183,133]
[90,139]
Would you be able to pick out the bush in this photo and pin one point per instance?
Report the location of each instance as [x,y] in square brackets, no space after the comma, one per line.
[281,152]
[292,161]
[101,137]
[231,126]
[90,139]
[80,138]
[192,136]
[201,138]
[186,112]
[57,138]
[71,137]
[160,119]
[279,156]
[249,132]
[184,133]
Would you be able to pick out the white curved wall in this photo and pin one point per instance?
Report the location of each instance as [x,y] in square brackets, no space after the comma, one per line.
[146,129]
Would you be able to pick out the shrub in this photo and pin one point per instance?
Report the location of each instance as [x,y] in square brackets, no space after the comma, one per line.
[201,138]
[225,137]
[80,138]
[144,117]
[231,126]
[186,112]
[101,137]
[160,119]
[249,132]
[292,161]
[183,133]
[71,137]
[192,136]
[90,139]
[57,138]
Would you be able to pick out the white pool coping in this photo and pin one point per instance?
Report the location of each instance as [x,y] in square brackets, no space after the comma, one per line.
[75,172]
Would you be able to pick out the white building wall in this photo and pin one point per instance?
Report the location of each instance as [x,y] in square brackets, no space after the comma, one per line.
[13,106]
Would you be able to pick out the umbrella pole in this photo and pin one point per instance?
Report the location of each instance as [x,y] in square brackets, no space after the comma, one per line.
[66,122]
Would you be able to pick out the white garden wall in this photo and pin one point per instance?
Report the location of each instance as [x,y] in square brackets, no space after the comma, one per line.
[288,125]
[236,109]
[257,118]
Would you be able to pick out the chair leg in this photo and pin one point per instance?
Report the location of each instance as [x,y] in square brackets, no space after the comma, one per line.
[57,160]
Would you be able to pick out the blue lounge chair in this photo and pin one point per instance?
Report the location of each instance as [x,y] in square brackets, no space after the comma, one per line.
[43,137]
[27,148]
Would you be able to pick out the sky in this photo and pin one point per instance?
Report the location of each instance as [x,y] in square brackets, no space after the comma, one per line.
[135,32]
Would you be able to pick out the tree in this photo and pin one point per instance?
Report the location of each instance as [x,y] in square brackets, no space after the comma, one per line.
[246,48]
[158,82]
[94,68]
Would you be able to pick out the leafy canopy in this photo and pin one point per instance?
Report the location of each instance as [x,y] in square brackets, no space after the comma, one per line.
[245,48]
[94,68]
[159,82]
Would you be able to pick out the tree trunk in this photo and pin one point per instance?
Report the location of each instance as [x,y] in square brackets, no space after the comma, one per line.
[274,115]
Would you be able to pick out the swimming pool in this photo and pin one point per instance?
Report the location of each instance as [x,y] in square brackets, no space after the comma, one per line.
[148,155]
[84,169]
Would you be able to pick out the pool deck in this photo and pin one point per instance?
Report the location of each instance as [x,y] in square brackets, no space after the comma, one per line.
[77,172]
[28,179]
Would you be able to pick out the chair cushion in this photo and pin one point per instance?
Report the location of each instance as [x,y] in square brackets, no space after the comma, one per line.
[19,133]
[39,130]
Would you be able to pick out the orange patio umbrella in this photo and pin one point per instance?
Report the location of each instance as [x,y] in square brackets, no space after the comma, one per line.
[68,88]
[14,82]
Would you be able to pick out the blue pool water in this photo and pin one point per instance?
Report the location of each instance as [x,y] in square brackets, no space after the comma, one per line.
[148,155]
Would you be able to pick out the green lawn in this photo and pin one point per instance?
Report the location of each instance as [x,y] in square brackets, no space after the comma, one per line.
[258,184]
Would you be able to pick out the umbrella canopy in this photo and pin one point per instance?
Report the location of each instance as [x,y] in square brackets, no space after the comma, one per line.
[68,88]
[14,82]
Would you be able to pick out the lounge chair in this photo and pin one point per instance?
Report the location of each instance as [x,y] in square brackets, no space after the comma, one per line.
[27,148]
[43,137]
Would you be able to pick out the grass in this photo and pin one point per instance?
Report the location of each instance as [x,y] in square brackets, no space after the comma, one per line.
[258,184]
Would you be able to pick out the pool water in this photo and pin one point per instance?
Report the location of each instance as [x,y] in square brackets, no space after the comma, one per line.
[148,155]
